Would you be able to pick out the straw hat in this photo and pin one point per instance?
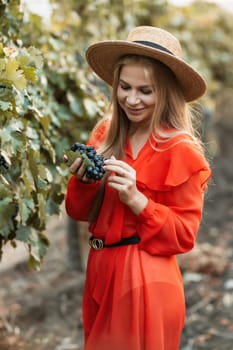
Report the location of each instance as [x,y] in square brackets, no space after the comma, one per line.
[151,42]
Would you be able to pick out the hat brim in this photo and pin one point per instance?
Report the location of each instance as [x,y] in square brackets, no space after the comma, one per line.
[103,56]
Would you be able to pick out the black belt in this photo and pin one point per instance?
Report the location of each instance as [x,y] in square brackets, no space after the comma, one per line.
[98,243]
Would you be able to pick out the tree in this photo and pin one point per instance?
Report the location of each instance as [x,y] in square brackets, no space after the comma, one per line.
[40,94]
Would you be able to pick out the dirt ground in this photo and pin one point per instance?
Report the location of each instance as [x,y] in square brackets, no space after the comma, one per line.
[42,310]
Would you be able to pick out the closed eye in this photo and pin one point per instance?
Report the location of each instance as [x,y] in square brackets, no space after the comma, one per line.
[124,87]
[146,92]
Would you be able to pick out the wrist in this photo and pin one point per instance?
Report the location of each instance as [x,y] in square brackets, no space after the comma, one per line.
[137,203]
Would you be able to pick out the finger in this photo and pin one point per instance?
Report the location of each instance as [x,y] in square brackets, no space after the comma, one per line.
[82,170]
[75,165]
[114,161]
[65,158]
[87,180]
[122,167]
[116,169]
[120,187]
[117,179]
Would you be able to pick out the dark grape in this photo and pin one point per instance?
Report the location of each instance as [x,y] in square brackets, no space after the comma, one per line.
[77,147]
[95,169]
[90,155]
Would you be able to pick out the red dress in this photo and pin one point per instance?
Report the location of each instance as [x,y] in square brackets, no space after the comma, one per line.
[133,296]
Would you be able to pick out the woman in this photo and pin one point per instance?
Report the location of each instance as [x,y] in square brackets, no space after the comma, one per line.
[148,206]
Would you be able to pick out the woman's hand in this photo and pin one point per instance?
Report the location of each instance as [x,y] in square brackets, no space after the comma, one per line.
[78,169]
[123,179]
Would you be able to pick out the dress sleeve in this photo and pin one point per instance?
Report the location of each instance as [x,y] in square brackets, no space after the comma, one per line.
[80,196]
[169,223]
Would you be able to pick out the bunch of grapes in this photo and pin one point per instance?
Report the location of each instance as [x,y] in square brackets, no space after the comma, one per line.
[92,160]
[3,163]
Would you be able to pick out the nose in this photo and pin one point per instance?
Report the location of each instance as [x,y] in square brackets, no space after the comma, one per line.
[132,99]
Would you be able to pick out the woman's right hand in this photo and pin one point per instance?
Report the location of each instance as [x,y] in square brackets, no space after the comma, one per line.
[78,169]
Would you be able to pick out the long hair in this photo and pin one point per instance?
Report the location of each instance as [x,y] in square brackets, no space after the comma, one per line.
[172,116]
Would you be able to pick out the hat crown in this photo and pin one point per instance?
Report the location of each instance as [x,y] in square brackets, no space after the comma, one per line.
[156,36]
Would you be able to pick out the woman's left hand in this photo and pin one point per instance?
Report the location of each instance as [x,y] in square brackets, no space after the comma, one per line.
[123,179]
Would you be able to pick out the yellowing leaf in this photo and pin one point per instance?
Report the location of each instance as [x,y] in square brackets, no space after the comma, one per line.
[4,191]
[20,82]
[15,75]
[41,210]
[30,73]
[34,262]
[11,69]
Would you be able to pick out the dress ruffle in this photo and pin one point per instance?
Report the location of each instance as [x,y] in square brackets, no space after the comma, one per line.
[176,166]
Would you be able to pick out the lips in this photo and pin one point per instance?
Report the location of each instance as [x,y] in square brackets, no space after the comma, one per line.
[134,110]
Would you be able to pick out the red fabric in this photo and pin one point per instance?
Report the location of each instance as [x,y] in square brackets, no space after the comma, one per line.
[133,296]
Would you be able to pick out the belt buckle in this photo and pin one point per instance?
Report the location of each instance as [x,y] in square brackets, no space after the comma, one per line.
[96,243]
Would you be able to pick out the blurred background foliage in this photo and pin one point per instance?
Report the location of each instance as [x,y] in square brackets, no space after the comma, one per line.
[49,98]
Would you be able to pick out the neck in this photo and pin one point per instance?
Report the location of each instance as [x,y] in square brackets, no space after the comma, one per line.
[139,128]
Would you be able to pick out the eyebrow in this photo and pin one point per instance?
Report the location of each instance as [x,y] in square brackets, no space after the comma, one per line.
[141,86]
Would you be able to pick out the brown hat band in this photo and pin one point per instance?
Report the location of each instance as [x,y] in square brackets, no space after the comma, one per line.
[155,46]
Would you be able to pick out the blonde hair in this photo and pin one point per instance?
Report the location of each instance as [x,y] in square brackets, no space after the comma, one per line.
[172,115]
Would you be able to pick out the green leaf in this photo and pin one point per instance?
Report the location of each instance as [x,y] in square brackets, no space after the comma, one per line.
[25,208]
[37,249]
[4,191]
[53,207]
[41,183]
[43,244]
[44,173]
[71,156]
[7,211]
[27,186]
[23,233]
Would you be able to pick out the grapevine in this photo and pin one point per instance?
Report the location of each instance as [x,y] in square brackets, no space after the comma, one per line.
[91,159]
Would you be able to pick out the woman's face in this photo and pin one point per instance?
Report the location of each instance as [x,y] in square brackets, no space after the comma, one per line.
[136,93]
